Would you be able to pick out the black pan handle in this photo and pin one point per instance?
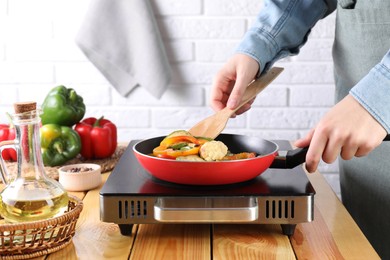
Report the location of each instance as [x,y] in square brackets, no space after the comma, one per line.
[292,158]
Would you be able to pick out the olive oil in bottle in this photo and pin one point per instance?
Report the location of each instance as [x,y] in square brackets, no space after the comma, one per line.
[32,202]
[31,195]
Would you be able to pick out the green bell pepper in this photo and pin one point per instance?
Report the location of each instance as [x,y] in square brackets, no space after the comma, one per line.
[62,106]
[59,144]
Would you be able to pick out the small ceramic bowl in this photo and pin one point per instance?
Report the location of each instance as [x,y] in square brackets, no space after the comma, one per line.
[80,177]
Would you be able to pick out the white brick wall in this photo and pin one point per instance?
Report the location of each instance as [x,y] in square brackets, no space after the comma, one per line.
[38,52]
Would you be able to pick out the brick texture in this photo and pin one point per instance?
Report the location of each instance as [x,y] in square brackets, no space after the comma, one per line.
[38,52]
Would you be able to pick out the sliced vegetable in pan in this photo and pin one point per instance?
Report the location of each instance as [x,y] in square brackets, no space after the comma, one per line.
[181,145]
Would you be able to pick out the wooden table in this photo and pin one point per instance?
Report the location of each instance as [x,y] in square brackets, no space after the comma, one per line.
[332,235]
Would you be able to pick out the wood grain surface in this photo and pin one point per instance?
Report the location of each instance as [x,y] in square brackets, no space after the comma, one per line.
[248,242]
[172,241]
[95,239]
[315,241]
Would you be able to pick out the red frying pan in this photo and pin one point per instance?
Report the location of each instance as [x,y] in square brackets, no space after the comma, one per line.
[222,172]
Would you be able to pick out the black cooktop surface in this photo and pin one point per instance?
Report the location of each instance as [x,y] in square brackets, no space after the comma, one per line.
[129,178]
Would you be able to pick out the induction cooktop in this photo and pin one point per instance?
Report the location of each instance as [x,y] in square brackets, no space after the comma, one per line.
[277,196]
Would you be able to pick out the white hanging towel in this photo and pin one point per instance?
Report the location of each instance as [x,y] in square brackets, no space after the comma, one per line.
[121,38]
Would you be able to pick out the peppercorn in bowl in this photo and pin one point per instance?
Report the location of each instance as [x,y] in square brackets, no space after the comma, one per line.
[80,177]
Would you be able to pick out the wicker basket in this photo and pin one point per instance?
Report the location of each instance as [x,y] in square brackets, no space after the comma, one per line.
[38,238]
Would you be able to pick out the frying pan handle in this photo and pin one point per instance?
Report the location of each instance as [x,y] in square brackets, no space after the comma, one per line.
[290,159]
[295,157]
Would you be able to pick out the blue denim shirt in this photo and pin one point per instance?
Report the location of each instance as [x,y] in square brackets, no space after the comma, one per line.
[282,27]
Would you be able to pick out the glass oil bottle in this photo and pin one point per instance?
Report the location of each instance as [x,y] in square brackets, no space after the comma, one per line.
[30,195]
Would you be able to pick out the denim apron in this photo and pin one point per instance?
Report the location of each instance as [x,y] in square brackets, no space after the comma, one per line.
[362,39]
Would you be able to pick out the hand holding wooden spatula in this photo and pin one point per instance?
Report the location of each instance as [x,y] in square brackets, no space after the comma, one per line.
[213,125]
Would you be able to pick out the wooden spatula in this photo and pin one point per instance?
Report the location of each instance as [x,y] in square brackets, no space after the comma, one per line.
[213,125]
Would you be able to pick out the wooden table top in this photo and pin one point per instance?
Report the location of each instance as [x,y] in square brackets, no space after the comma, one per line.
[332,235]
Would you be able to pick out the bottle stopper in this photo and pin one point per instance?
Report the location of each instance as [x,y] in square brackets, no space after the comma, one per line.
[23,107]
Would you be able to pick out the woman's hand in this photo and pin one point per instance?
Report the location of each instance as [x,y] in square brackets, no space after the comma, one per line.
[231,81]
[347,130]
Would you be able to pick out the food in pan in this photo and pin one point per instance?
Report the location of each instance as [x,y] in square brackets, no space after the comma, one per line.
[213,151]
[190,158]
[181,145]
